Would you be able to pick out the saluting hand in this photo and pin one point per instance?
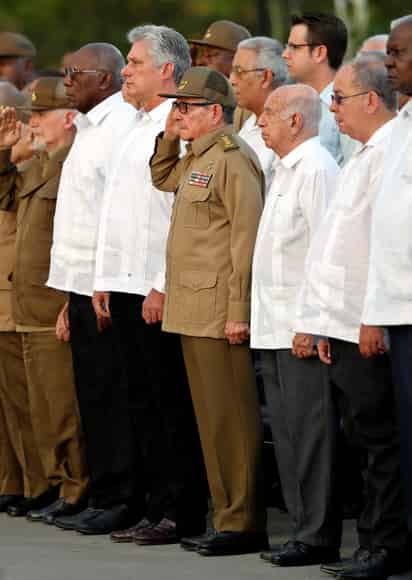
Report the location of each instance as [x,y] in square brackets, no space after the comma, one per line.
[10,128]
[172,127]
[236,332]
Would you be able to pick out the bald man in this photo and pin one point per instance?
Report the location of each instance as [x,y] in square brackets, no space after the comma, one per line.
[93,85]
[296,390]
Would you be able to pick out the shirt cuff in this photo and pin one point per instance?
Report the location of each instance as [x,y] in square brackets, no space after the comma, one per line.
[238,311]
[160,282]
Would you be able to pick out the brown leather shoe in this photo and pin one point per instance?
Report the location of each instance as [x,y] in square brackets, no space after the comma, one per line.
[129,534]
[162,533]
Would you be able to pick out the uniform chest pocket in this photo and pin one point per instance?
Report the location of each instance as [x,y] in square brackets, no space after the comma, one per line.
[196,207]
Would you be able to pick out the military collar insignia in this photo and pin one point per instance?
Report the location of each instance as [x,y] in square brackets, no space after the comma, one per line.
[228,143]
[33,97]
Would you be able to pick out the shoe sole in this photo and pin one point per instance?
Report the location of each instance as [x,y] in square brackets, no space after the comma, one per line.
[154,543]
[209,552]
[314,562]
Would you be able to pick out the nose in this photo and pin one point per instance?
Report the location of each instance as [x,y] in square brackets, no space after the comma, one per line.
[332,106]
[389,62]
[67,81]
[285,53]
[232,79]
[261,120]
[125,71]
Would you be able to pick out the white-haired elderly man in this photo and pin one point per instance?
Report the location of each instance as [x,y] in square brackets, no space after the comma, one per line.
[330,305]
[296,390]
[258,68]
[130,265]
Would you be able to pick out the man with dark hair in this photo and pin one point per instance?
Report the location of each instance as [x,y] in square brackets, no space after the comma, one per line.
[218,46]
[389,296]
[316,46]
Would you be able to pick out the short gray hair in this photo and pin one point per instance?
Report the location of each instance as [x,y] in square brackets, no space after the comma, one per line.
[165,45]
[401,20]
[269,56]
[304,100]
[371,74]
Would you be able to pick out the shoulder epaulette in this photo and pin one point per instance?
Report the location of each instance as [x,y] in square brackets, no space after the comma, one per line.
[228,143]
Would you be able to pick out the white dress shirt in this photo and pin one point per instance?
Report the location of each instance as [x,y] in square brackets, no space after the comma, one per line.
[389,294]
[297,199]
[80,194]
[331,298]
[340,146]
[252,134]
[135,219]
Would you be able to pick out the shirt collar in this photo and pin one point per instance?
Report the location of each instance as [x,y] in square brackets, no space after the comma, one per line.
[406,110]
[159,113]
[298,153]
[200,145]
[326,93]
[96,115]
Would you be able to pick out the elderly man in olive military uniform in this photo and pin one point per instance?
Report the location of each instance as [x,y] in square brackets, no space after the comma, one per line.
[21,473]
[51,392]
[16,59]
[218,186]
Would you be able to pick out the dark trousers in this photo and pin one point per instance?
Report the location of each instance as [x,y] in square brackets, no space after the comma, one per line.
[401,359]
[301,417]
[104,409]
[163,418]
[364,395]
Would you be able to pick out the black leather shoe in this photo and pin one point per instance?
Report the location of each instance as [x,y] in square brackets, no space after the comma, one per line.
[7,500]
[231,543]
[106,521]
[24,506]
[299,554]
[60,507]
[268,554]
[379,563]
[346,564]
[74,521]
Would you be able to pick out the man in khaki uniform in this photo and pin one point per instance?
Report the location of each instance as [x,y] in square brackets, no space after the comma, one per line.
[21,473]
[51,392]
[16,58]
[219,187]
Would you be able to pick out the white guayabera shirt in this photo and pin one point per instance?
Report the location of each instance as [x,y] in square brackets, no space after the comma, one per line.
[252,134]
[80,194]
[131,253]
[296,201]
[389,294]
[332,294]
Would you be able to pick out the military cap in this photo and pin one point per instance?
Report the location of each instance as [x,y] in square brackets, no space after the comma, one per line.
[14,44]
[47,94]
[201,82]
[223,34]
[12,97]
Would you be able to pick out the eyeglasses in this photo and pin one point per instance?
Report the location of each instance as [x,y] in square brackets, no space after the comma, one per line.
[183,107]
[71,71]
[293,47]
[338,99]
[239,71]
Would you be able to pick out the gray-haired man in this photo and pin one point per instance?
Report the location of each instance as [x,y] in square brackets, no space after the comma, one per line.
[130,265]
[258,68]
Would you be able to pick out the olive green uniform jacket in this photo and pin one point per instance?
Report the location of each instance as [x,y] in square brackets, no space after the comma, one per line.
[218,185]
[32,194]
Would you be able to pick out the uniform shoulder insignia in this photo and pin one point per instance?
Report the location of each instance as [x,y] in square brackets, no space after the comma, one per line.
[228,143]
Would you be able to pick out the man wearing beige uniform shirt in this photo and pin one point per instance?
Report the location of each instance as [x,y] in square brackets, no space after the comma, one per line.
[48,364]
[218,186]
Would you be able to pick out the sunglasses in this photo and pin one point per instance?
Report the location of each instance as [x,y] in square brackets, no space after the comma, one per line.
[184,107]
[71,71]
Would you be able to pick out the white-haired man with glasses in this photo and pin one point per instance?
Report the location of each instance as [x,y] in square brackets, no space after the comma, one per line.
[330,305]
[130,287]
[258,68]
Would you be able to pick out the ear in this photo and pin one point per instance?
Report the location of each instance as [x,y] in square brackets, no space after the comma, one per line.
[106,80]
[267,79]
[373,102]
[320,53]
[68,119]
[167,70]
[296,123]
